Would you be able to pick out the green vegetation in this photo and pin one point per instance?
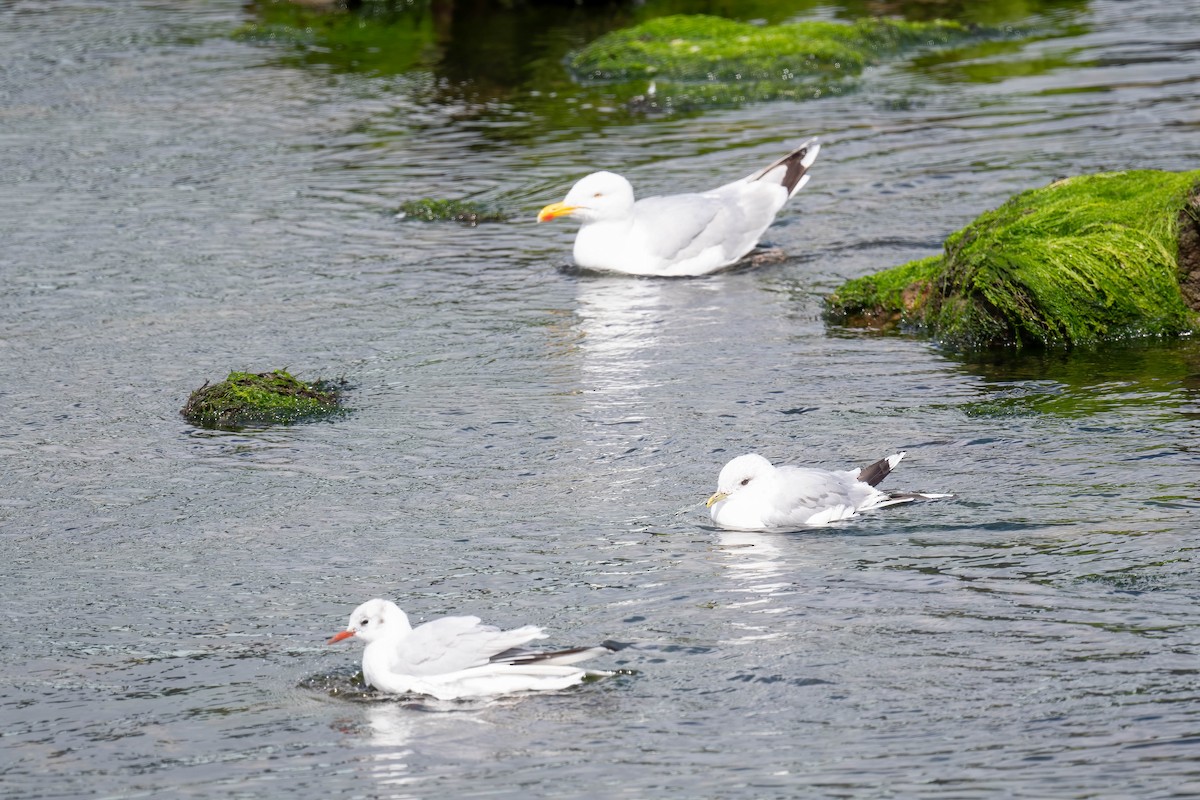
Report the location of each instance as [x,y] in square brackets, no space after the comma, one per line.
[703,48]
[505,58]
[698,59]
[1082,260]
[428,209]
[269,398]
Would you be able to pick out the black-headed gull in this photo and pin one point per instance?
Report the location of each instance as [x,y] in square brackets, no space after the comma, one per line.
[754,495]
[678,234]
[457,657]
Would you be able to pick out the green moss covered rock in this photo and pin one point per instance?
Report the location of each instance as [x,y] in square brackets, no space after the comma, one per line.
[703,48]
[1085,259]
[246,399]
[698,59]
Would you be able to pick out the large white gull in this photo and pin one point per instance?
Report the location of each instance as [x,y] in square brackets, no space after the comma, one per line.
[754,495]
[678,234]
[458,657]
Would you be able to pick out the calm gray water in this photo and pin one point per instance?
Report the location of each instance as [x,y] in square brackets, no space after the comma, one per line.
[532,445]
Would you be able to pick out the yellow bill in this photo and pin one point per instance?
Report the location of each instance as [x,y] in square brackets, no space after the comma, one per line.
[554,211]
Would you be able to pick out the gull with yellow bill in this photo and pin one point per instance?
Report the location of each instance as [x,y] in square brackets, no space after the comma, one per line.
[679,234]
[755,495]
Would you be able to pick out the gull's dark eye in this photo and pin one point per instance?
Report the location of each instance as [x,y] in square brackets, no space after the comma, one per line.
[598,194]
[363,624]
[745,481]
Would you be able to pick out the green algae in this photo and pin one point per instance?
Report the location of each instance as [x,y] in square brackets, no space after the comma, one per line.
[703,48]
[1083,260]
[888,299]
[506,59]
[246,399]
[705,60]
[428,209]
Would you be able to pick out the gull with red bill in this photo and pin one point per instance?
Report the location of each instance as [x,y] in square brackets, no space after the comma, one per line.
[458,657]
[679,234]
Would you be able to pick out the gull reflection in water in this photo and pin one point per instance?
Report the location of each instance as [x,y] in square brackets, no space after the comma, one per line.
[393,728]
[759,579]
[641,333]
[404,733]
[640,368]
[620,319]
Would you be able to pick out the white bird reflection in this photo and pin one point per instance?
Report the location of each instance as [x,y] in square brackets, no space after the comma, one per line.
[638,360]
[620,320]
[402,735]
[759,580]
[393,728]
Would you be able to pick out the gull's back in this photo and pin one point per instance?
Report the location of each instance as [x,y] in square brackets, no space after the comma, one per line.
[803,493]
[450,644]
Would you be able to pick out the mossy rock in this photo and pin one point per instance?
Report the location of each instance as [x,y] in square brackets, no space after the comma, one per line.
[705,60]
[703,48]
[246,399]
[1084,260]
[429,209]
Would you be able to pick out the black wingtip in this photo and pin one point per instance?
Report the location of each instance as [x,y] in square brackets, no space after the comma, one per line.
[615,646]
[795,168]
[794,165]
[874,474]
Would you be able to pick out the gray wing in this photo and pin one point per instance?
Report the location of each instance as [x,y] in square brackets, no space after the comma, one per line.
[450,644]
[677,225]
[732,217]
[802,491]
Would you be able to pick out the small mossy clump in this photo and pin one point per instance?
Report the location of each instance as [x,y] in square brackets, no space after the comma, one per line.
[247,399]
[429,209]
[705,60]
[1083,260]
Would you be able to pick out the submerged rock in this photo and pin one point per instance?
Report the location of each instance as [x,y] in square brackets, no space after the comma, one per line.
[429,209]
[1086,259]
[705,60]
[268,398]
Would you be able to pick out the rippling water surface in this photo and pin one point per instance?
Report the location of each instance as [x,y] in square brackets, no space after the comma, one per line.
[533,445]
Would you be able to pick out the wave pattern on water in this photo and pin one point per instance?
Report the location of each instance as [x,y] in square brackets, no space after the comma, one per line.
[535,445]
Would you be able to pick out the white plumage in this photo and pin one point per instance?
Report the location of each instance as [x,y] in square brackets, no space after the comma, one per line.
[457,657]
[754,495]
[678,234]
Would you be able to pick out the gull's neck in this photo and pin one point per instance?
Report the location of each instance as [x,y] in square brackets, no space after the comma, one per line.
[379,655]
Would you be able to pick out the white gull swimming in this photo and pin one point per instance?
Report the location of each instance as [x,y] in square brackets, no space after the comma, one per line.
[753,495]
[458,657]
[678,234]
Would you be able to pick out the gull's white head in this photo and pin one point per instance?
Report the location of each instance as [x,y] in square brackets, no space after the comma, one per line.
[738,475]
[599,196]
[374,620]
